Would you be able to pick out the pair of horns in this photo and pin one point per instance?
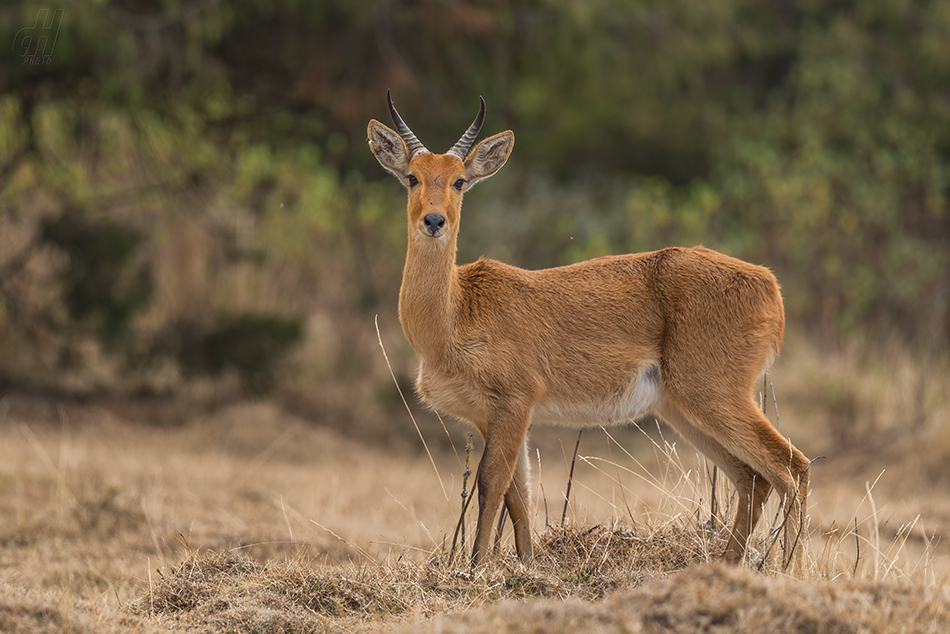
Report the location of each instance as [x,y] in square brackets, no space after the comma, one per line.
[414,145]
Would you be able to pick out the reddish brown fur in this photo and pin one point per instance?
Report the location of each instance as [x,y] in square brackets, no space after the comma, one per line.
[683,333]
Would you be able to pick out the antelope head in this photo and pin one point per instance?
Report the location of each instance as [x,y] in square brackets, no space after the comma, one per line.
[436,182]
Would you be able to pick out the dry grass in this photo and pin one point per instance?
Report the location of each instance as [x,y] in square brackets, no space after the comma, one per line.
[574,572]
[718,599]
[252,520]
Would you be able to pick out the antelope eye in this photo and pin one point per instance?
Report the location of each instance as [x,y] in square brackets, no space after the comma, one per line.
[413,181]
[459,184]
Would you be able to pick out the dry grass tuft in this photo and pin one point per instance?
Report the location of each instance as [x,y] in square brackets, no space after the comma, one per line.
[230,591]
[597,560]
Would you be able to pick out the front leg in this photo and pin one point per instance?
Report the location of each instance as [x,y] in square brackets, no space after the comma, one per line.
[504,443]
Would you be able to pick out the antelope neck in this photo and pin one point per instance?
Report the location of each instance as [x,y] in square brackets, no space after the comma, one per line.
[427,298]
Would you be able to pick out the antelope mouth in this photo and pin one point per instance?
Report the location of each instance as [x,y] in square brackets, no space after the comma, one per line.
[432,236]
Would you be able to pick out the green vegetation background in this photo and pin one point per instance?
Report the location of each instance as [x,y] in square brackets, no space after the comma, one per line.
[187,202]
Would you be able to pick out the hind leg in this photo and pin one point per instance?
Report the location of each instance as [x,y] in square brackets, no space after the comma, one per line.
[516,501]
[745,433]
[751,487]
[774,456]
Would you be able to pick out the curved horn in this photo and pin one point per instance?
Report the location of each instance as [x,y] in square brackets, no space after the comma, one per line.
[461,148]
[413,144]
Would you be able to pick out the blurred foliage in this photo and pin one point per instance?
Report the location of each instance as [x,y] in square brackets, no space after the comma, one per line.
[93,291]
[194,172]
[247,343]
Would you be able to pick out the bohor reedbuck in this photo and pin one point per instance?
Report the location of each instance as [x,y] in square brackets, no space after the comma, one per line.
[682,333]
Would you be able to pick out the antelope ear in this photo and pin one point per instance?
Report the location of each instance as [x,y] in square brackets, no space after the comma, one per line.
[389,149]
[489,156]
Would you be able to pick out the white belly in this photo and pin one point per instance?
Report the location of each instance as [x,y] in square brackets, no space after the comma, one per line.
[640,397]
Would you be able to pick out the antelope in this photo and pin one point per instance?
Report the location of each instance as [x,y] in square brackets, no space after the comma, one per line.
[681,333]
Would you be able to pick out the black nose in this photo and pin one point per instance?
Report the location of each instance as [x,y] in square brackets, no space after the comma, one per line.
[433,223]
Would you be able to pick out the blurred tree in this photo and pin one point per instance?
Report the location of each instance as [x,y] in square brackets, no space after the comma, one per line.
[175,162]
[93,292]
